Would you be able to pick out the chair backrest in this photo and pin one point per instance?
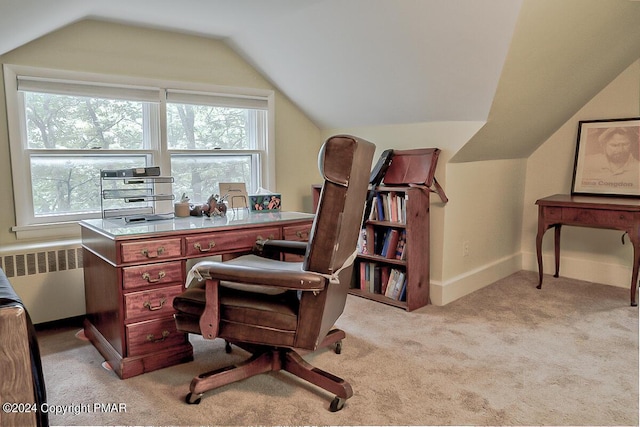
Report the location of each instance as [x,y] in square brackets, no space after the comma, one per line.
[345,164]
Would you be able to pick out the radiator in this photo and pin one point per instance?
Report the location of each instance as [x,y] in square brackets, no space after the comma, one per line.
[49,280]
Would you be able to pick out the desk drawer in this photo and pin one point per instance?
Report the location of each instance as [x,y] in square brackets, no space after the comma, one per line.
[162,273]
[228,241]
[155,302]
[597,217]
[298,233]
[153,335]
[151,250]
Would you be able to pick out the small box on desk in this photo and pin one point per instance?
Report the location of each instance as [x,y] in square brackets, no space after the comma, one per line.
[265,202]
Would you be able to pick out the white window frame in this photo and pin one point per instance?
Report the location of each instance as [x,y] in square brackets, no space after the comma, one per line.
[27,226]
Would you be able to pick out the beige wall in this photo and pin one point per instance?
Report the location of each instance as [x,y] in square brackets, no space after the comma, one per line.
[587,254]
[484,208]
[100,47]
[492,203]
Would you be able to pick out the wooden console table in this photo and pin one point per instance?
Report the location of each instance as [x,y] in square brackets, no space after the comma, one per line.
[587,211]
[133,271]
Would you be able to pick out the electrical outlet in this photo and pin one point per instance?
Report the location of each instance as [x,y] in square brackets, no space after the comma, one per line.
[465,248]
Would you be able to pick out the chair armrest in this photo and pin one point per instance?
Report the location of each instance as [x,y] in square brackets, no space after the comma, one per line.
[255,275]
[256,270]
[270,247]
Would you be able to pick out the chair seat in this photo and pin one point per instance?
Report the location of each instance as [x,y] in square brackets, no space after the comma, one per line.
[268,311]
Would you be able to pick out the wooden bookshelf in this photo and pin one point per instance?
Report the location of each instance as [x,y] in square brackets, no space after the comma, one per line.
[410,219]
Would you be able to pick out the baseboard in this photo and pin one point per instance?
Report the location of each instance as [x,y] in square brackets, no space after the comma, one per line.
[581,269]
[69,322]
[443,293]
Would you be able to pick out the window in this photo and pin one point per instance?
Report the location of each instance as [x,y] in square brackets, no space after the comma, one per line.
[65,127]
[213,139]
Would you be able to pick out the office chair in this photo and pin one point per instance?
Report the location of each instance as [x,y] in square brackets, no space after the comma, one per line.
[279,310]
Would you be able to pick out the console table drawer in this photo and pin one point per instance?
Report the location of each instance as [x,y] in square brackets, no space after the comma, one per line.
[553,213]
[228,241]
[153,335]
[597,217]
[157,302]
[151,250]
[162,273]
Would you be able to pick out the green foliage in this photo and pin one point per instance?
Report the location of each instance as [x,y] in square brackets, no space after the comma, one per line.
[71,137]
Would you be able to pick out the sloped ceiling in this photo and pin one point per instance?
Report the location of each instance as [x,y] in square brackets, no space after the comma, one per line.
[563,53]
[524,66]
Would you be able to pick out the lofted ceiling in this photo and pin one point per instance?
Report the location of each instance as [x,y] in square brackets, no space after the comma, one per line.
[352,63]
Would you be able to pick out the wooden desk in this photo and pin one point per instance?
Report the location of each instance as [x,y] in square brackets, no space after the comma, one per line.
[132,272]
[586,211]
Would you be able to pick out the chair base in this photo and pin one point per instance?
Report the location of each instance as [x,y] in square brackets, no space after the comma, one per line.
[267,359]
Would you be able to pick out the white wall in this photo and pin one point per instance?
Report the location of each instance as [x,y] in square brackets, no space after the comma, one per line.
[586,253]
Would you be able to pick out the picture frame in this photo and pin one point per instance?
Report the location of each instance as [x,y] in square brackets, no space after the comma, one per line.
[235,193]
[607,159]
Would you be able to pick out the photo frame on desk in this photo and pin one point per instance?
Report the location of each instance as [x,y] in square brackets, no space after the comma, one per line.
[235,193]
[607,160]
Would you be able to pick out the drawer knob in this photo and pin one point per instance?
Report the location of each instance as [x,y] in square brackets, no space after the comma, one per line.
[260,238]
[302,234]
[199,247]
[151,254]
[148,306]
[147,277]
[152,337]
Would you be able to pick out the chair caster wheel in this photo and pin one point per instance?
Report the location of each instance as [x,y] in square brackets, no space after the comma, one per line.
[338,349]
[337,404]
[193,400]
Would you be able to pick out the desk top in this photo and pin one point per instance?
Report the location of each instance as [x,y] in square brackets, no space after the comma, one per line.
[593,202]
[233,219]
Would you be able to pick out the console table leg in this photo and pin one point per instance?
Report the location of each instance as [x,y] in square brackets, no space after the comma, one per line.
[539,236]
[634,272]
[557,248]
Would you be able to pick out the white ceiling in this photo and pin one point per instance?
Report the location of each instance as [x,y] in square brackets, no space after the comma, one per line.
[523,66]
[344,62]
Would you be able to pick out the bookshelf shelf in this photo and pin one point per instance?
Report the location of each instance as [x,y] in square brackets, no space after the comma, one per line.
[401,244]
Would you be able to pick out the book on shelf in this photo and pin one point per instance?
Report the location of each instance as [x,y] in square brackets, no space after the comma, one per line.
[392,201]
[380,279]
[389,206]
[385,271]
[390,243]
[403,291]
[385,242]
[362,242]
[401,246]
[396,280]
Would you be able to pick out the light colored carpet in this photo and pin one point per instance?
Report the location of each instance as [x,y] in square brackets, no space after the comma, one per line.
[508,354]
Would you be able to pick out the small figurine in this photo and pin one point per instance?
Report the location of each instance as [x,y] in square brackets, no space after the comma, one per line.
[215,206]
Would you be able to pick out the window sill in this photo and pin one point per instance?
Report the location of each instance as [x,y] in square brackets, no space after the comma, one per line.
[65,230]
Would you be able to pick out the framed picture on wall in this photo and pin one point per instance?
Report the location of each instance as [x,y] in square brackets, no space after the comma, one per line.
[607,161]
